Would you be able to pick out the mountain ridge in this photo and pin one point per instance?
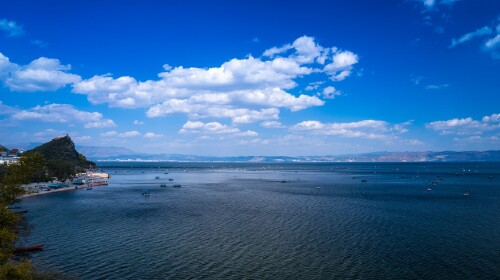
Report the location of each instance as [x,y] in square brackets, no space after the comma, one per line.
[428,156]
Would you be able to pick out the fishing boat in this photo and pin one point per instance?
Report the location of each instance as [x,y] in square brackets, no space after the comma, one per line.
[163,186]
[176,186]
[29,248]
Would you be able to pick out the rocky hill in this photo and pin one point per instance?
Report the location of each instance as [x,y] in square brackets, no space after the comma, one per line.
[62,158]
[3,149]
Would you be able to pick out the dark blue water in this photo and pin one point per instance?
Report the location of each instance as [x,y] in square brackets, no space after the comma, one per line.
[257,221]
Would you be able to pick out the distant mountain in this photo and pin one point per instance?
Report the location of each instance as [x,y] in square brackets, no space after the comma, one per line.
[446,156]
[3,149]
[23,145]
[100,152]
[62,158]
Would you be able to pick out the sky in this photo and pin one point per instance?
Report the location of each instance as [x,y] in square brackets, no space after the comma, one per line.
[230,78]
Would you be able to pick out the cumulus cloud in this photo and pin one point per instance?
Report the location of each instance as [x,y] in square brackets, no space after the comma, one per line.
[466,126]
[42,74]
[11,28]
[245,90]
[109,134]
[128,134]
[62,113]
[214,128]
[151,135]
[341,65]
[329,92]
[314,85]
[371,129]
[137,122]
[272,124]
[237,87]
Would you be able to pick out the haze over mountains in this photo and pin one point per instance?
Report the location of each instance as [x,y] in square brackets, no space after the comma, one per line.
[123,154]
[111,153]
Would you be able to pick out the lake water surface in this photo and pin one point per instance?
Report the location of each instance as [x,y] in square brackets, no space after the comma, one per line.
[289,221]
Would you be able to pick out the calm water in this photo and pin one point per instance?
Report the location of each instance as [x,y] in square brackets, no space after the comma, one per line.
[240,221]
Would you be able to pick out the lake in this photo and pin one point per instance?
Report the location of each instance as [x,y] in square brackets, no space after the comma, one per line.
[275,221]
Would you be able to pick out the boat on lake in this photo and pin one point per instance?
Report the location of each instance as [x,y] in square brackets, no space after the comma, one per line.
[37,247]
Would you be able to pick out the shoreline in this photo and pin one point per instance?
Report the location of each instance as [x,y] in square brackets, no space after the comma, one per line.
[62,189]
[87,180]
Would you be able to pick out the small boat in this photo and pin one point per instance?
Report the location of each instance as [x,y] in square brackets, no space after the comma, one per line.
[157,177]
[163,186]
[145,193]
[429,189]
[318,188]
[165,173]
[89,188]
[29,248]
[466,194]
[170,179]
[176,186]
[364,181]
[283,181]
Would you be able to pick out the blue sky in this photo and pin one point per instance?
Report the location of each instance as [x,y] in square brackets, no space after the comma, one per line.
[252,77]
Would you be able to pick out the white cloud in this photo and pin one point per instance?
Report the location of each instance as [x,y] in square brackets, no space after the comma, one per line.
[493,42]
[151,135]
[485,30]
[6,110]
[252,84]
[492,45]
[466,126]
[42,74]
[243,90]
[272,124]
[314,85]
[214,128]
[137,122]
[370,129]
[109,134]
[6,67]
[329,92]
[129,134]
[341,66]
[100,124]
[11,28]
[277,50]
[62,113]
[430,4]
[40,44]
[436,86]
[48,133]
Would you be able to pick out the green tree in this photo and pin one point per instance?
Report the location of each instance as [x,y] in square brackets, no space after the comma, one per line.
[28,169]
